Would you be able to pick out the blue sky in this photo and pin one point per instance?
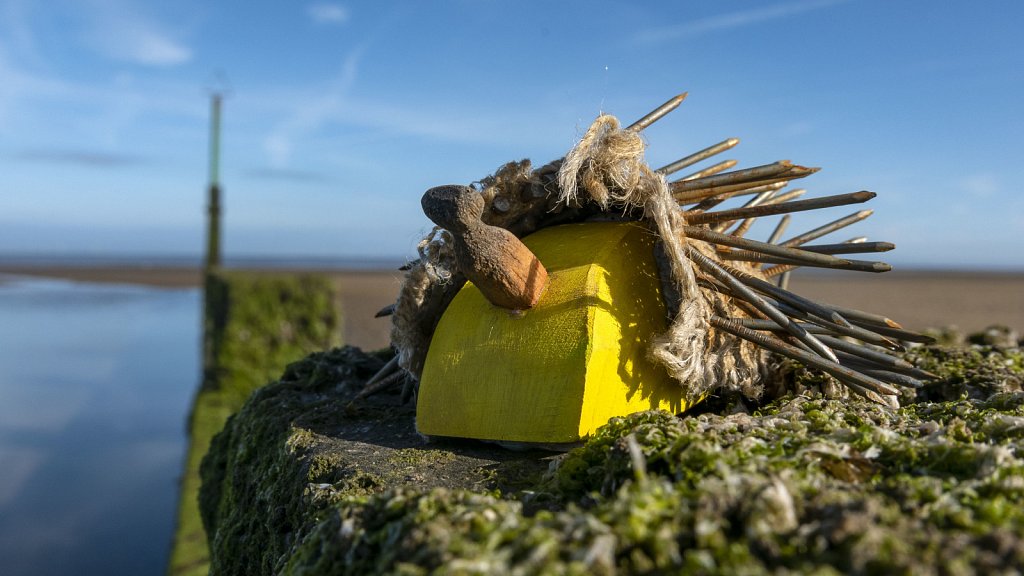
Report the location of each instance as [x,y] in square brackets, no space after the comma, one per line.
[341,114]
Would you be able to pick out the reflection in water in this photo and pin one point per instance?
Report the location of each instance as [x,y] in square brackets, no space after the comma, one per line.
[95,383]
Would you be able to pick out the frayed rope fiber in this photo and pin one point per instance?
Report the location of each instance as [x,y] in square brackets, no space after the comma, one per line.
[608,165]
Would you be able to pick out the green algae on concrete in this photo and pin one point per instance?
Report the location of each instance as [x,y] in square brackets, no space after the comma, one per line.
[801,484]
[298,450]
[255,324]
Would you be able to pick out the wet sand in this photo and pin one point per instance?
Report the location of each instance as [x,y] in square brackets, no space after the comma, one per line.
[916,299]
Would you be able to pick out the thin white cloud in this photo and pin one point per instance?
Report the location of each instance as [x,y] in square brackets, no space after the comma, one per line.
[981,185]
[316,112]
[118,31]
[312,115]
[151,47]
[731,20]
[324,13]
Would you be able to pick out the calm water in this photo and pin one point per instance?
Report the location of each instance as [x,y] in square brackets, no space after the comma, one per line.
[95,385]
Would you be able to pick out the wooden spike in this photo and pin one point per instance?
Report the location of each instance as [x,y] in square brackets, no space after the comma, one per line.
[386,311]
[783,208]
[372,388]
[720,274]
[690,196]
[755,201]
[904,335]
[742,190]
[889,376]
[710,171]
[856,381]
[658,113]
[778,269]
[743,227]
[780,229]
[870,354]
[849,247]
[774,249]
[817,325]
[795,300]
[786,196]
[387,370]
[784,280]
[698,156]
[846,264]
[746,224]
[828,228]
[782,168]
[880,361]
[861,318]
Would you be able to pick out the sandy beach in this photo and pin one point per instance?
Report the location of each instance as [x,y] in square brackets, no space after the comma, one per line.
[917,299]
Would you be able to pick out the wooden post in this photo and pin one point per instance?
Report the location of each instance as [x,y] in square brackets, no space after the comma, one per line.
[213,259]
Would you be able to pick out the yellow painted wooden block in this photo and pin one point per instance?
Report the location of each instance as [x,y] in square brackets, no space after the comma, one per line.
[557,372]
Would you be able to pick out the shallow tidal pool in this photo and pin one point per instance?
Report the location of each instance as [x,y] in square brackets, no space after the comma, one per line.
[95,385]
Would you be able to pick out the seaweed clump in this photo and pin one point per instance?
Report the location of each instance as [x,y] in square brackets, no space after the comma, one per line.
[803,483]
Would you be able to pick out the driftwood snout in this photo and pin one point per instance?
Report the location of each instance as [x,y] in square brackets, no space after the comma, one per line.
[505,271]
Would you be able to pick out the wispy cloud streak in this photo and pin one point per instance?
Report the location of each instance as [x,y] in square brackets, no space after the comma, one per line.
[324,13]
[311,116]
[78,158]
[120,32]
[731,20]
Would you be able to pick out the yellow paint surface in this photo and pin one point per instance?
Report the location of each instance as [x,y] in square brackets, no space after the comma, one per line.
[557,372]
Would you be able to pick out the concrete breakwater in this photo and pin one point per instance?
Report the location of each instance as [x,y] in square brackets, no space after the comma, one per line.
[255,324]
[304,481]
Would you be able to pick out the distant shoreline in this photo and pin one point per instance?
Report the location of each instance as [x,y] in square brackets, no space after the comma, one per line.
[918,299]
[188,276]
[363,291]
[159,276]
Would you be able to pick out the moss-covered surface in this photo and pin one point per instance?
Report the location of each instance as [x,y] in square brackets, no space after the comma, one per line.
[298,449]
[299,484]
[255,324]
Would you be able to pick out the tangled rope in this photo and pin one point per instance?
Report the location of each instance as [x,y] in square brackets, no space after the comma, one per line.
[608,165]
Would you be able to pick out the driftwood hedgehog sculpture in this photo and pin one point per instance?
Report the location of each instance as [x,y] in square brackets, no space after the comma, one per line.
[723,301]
